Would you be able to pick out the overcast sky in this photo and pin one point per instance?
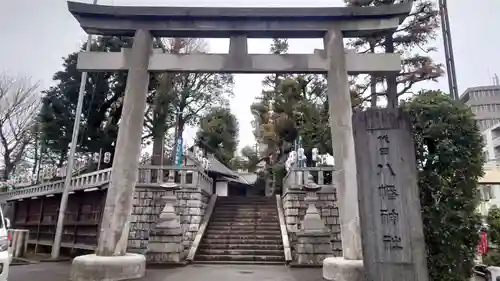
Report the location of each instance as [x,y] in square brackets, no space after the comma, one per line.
[36,34]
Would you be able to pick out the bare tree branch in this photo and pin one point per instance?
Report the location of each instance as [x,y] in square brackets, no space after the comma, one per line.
[19,104]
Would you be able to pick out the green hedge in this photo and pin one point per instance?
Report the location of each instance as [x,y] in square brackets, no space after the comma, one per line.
[449,158]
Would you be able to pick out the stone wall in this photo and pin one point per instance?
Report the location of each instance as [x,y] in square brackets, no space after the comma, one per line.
[294,208]
[147,206]
[191,206]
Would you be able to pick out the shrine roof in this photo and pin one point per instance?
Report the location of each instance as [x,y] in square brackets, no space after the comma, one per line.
[222,22]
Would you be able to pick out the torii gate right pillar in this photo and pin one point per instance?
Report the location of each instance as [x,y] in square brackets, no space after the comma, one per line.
[340,111]
[350,266]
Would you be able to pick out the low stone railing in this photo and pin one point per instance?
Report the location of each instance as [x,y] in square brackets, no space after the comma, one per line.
[148,176]
[84,181]
[185,177]
[297,177]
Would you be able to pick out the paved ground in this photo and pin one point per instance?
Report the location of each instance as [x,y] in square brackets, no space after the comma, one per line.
[60,272]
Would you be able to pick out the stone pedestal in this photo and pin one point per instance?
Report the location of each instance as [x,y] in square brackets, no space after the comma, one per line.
[313,247]
[340,269]
[100,268]
[165,239]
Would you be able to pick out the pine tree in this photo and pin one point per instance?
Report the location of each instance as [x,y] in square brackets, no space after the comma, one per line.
[412,40]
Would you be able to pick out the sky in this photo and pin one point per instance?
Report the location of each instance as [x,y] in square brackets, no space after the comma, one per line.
[36,34]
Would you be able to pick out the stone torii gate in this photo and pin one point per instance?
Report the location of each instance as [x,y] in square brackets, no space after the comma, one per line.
[238,24]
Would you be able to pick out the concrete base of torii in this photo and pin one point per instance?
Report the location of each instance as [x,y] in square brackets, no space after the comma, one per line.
[340,269]
[98,268]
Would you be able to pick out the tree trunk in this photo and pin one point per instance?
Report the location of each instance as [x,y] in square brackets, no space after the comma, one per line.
[8,170]
[36,158]
[160,114]
[392,84]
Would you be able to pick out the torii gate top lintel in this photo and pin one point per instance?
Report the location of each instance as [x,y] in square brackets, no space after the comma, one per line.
[225,22]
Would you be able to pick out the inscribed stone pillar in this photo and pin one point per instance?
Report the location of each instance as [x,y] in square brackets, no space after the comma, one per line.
[339,100]
[391,223]
[115,225]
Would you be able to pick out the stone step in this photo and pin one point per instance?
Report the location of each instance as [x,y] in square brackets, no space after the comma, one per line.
[256,202]
[240,258]
[244,215]
[247,211]
[269,217]
[240,252]
[249,207]
[247,220]
[240,241]
[239,262]
[273,227]
[277,236]
[246,203]
[259,246]
[244,209]
[244,224]
[245,198]
[243,232]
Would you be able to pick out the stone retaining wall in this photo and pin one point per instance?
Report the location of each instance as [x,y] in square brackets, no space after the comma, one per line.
[294,208]
[147,206]
[145,211]
[191,206]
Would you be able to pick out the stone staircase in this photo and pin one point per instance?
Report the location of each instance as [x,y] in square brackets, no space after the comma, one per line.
[242,230]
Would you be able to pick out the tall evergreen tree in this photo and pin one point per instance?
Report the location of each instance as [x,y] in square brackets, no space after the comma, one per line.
[218,134]
[179,99]
[101,107]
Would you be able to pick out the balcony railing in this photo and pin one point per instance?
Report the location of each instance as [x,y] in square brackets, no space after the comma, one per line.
[148,176]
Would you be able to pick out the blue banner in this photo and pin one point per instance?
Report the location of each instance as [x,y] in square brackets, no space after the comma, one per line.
[178,157]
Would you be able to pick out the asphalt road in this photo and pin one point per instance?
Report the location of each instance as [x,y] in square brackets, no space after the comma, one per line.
[60,272]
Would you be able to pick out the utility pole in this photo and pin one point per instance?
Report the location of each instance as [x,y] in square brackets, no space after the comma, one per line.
[448,49]
[71,159]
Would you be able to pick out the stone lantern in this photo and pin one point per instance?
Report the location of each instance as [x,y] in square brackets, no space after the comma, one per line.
[312,220]
[313,239]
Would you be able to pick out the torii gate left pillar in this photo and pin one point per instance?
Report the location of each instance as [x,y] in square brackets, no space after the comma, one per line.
[113,235]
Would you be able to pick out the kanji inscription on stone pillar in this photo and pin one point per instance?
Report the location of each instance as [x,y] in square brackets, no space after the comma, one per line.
[390,216]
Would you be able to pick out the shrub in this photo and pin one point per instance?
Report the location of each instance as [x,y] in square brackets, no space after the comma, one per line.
[493,220]
[449,159]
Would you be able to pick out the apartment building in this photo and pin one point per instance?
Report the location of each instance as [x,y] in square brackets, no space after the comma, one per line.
[491,138]
[484,102]
[489,188]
